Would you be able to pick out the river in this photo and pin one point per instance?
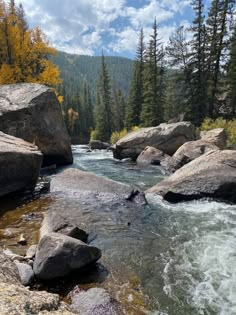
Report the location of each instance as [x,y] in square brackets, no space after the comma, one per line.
[181,257]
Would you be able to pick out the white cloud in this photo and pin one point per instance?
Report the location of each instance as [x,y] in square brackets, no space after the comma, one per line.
[85,26]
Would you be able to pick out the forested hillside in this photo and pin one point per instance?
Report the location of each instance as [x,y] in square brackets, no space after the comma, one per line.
[76,69]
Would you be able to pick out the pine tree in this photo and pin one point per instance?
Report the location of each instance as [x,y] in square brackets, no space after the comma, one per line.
[104,124]
[135,99]
[119,110]
[218,18]
[199,75]
[152,109]
[232,75]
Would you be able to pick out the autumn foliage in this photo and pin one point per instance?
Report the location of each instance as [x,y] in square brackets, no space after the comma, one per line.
[24,52]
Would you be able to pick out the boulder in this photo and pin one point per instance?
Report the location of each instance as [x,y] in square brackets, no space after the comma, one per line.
[55,222]
[95,301]
[151,156]
[98,145]
[25,272]
[165,137]
[216,136]
[211,175]
[31,252]
[20,164]
[58,255]
[188,152]
[32,112]
[16,299]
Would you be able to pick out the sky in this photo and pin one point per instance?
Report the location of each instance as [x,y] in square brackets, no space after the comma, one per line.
[89,26]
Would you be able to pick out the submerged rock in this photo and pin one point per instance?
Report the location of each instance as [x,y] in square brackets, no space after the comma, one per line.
[58,255]
[20,164]
[95,301]
[16,299]
[211,175]
[165,137]
[216,136]
[55,222]
[98,145]
[25,272]
[32,112]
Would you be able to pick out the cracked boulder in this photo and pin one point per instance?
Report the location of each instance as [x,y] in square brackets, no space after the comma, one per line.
[165,137]
[211,175]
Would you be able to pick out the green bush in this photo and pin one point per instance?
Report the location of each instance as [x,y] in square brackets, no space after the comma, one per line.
[94,135]
[228,125]
[117,135]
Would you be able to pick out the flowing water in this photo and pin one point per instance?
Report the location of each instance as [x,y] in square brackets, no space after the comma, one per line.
[164,259]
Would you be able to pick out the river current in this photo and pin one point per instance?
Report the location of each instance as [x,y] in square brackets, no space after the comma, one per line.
[182,256]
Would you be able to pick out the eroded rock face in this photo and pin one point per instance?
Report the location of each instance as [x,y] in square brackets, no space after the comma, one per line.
[188,152]
[32,112]
[165,137]
[55,222]
[16,299]
[211,175]
[151,156]
[216,136]
[95,301]
[20,164]
[58,255]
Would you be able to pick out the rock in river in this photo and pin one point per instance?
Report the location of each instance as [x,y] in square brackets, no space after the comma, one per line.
[151,156]
[188,152]
[165,137]
[95,301]
[32,112]
[16,299]
[55,222]
[211,175]
[216,136]
[58,255]
[98,145]
[20,164]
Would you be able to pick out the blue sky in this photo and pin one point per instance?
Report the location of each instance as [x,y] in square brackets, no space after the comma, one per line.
[90,26]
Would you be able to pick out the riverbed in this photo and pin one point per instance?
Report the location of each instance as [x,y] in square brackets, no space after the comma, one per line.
[161,258]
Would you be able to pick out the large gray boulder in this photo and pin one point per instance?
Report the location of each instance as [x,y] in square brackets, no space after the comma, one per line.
[165,137]
[188,152]
[216,136]
[56,222]
[58,255]
[16,299]
[151,156]
[211,175]
[32,112]
[95,301]
[20,164]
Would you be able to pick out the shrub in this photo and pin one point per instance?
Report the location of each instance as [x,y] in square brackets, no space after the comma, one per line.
[228,125]
[94,135]
[117,135]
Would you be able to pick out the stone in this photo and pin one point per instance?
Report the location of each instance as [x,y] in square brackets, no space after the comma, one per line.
[17,299]
[13,256]
[211,175]
[31,252]
[22,240]
[58,255]
[151,156]
[74,180]
[95,301]
[32,112]
[25,272]
[188,152]
[165,137]
[98,145]
[55,222]
[20,164]
[216,136]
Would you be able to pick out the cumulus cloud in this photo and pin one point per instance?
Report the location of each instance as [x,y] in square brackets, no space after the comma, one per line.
[87,26]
